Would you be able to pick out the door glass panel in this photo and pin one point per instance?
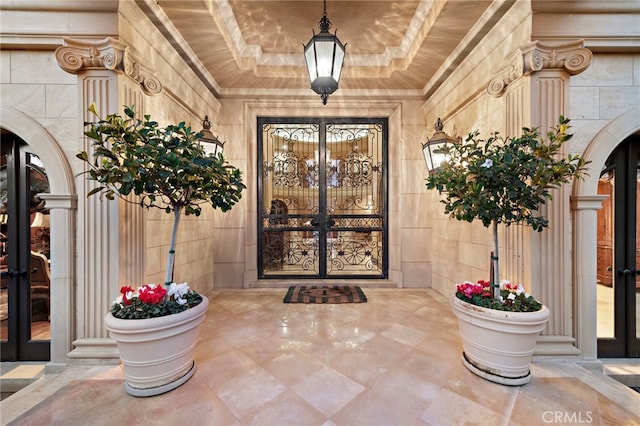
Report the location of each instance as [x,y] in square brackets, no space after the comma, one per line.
[354,196]
[618,259]
[40,253]
[290,199]
[321,199]
[637,256]
[25,329]
[605,256]
[4,255]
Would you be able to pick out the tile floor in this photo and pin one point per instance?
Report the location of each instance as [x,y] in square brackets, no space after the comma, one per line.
[392,361]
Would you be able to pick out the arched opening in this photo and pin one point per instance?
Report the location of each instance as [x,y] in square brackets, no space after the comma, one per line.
[60,203]
[585,203]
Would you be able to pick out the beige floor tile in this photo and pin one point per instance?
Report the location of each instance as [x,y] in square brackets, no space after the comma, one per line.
[449,408]
[327,390]
[393,361]
[249,391]
[286,409]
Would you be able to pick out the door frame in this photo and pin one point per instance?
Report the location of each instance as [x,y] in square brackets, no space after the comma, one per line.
[625,343]
[322,122]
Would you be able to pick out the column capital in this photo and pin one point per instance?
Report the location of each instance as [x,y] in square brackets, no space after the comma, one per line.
[536,56]
[78,55]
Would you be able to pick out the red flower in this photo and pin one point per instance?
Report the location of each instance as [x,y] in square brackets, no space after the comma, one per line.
[124,290]
[152,293]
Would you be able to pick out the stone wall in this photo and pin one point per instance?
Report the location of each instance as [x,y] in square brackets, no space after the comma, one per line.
[606,90]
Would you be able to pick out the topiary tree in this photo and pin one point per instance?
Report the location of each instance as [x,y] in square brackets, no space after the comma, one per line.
[165,168]
[505,181]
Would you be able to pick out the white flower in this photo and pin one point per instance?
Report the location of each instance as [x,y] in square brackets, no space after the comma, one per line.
[520,289]
[178,291]
[511,296]
[487,163]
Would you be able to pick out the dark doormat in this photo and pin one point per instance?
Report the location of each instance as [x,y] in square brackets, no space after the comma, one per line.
[325,294]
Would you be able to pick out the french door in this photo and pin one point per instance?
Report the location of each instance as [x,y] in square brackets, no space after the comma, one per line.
[619,253]
[322,198]
[25,330]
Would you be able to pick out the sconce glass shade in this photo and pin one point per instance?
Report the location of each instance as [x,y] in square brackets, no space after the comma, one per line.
[432,147]
[209,142]
[324,55]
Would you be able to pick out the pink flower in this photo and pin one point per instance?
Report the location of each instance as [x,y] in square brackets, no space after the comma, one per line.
[469,289]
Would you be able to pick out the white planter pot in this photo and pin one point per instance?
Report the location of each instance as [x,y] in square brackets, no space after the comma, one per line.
[499,345]
[157,353]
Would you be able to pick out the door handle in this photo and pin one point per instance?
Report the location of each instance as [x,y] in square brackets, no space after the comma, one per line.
[625,272]
[314,222]
[13,273]
[331,222]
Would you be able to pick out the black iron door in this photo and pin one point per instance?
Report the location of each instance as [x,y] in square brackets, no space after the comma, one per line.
[24,252]
[619,253]
[322,198]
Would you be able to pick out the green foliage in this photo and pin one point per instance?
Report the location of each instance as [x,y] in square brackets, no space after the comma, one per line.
[521,303]
[166,167]
[505,181]
[141,310]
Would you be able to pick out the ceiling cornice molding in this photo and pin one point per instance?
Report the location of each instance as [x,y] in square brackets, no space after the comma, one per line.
[342,94]
[163,24]
[585,6]
[471,41]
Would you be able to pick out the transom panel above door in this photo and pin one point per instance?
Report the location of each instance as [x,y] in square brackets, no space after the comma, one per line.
[322,198]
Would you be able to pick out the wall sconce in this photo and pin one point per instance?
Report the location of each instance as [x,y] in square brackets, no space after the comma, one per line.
[324,55]
[209,142]
[432,148]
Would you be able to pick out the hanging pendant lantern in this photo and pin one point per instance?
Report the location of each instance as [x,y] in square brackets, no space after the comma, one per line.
[324,55]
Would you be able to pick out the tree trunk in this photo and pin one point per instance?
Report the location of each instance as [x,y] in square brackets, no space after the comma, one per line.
[168,277]
[495,285]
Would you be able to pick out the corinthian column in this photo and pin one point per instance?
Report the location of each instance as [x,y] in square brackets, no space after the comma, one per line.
[110,233]
[535,85]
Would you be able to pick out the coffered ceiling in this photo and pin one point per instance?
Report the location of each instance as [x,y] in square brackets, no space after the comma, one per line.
[393,46]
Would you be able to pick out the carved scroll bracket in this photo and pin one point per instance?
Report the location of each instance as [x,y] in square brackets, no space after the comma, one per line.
[111,54]
[536,56]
